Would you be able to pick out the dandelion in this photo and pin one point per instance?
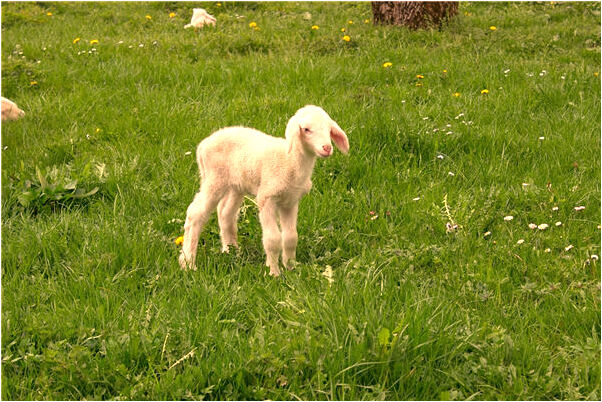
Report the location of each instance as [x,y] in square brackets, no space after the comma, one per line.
[543,226]
[219,4]
[76,40]
[532,226]
[456,94]
[179,241]
[98,130]
[172,15]
[484,91]
[419,84]
[547,250]
[342,29]
[366,21]
[315,27]
[568,248]
[596,74]
[558,223]
[252,24]
[520,241]
[419,76]
[94,42]
[486,234]
[350,22]
[148,17]
[346,38]
[257,29]
[32,83]
[444,71]
[387,64]
[579,208]
[493,28]
[49,14]
[508,218]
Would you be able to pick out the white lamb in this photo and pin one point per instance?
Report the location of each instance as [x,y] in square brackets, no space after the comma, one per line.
[200,17]
[236,161]
[10,110]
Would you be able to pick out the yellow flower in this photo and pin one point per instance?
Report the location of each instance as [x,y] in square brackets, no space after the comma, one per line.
[171,15]
[387,64]
[346,38]
[76,40]
[98,130]
[485,91]
[219,4]
[420,76]
[493,28]
[148,17]
[179,241]
[419,84]
[94,42]
[596,74]
[257,28]
[32,83]
[342,29]
[49,14]
[366,21]
[457,94]
[315,27]
[445,71]
[350,22]
[252,24]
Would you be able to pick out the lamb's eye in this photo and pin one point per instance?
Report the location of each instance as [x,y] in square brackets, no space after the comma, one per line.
[307,130]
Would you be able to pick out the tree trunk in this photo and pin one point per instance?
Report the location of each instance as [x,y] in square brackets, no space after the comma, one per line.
[413,14]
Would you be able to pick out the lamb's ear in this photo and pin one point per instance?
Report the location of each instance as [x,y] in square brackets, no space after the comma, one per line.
[339,138]
[293,129]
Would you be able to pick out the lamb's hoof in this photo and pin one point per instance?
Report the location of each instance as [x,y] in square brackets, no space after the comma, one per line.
[185,264]
[275,274]
[291,265]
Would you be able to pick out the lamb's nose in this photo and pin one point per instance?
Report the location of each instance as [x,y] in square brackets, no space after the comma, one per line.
[327,148]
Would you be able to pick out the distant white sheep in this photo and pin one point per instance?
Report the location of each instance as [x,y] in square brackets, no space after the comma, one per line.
[236,161]
[10,110]
[200,17]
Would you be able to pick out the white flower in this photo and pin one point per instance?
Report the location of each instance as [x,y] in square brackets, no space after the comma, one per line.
[525,184]
[594,257]
[567,248]
[542,138]
[415,199]
[141,45]
[543,226]
[520,241]
[579,208]
[449,132]
[508,218]
[425,118]
[187,153]
[120,42]
[506,71]
[486,234]
[458,116]
[554,208]
[440,156]
[558,223]
[450,173]
[448,125]
[532,226]
[547,250]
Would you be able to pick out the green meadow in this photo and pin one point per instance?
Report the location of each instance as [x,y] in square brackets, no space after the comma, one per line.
[418,276]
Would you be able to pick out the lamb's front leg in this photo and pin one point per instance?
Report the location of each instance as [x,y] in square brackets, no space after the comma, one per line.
[271,233]
[288,222]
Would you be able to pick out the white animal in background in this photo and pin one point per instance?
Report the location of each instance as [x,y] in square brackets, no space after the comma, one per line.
[10,110]
[236,161]
[200,17]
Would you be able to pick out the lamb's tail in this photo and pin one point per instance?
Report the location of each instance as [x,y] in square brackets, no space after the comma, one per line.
[199,160]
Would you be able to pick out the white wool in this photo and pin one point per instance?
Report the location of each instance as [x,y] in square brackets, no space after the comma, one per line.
[236,161]
[10,110]
[200,17]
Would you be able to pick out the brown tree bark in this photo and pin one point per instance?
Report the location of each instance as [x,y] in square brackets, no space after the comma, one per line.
[413,14]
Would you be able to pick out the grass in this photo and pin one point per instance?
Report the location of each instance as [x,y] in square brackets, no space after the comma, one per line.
[96,181]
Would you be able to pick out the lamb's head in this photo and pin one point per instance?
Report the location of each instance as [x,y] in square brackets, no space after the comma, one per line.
[315,129]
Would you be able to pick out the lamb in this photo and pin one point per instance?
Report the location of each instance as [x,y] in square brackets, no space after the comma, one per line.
[238,161]
[200,17]
[10,110]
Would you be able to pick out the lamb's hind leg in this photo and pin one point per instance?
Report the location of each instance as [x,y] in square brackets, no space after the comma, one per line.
[271,233]
[197,215]
[227,214]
